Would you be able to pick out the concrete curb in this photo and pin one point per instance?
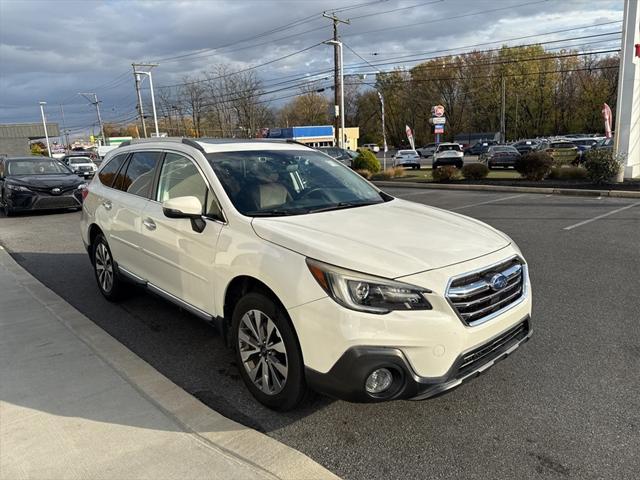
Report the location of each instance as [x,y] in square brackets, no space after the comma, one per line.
[266,456]
[509,188]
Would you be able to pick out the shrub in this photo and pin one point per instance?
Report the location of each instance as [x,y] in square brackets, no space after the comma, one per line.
[475,171]
[602,165]
[396,172]
[365,173]
[366,160]
[568,173]
[445,174]
[384,175]
[534,165]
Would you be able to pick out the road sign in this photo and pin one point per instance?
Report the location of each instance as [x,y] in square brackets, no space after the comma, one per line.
[438,120]
[437,111]
[438,129]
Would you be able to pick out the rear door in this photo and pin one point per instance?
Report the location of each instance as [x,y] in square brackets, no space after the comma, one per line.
[177,258]
[125,205]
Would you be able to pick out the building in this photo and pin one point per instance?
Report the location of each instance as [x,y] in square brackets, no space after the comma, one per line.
[15,138]
[316,136]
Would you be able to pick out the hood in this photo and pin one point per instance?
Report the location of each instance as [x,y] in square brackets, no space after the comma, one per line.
[391,239]
[46,181]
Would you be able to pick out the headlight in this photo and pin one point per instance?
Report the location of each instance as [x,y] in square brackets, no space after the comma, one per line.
[367,293]
[17,188]
[82,186]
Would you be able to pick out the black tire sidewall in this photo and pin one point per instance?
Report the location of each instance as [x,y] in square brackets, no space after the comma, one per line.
[295,387]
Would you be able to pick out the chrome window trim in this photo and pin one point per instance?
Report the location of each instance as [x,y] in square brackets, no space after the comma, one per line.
[480,321]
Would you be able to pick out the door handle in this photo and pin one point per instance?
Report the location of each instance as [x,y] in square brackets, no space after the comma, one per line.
[149,224]
[107,204]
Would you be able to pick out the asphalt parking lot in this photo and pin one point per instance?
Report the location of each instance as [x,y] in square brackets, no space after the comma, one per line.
[565,405]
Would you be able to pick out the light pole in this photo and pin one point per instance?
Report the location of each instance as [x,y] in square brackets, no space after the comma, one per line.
[341,75]
[44,124]
[384,132]
[153,100]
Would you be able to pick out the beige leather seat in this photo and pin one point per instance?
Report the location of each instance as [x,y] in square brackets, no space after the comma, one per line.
[272,195]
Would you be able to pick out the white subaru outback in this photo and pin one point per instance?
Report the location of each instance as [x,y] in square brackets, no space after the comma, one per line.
[316,278]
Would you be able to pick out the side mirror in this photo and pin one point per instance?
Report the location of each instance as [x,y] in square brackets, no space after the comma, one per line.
[185,207]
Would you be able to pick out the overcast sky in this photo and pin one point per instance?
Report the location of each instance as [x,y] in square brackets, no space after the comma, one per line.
[51,49]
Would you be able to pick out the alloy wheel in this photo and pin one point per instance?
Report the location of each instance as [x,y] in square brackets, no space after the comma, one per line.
[104,267]
[263,352]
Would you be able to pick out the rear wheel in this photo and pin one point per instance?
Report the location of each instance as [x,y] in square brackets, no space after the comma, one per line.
[109,282]
[267,352]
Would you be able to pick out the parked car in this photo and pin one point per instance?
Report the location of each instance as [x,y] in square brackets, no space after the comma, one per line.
[584,145]
[372,147]
[80,165]
[479,148]
[561,151]
[525,146]
[448,154]
[428,150]
[340,154]
[605,143]
[282,249]
[407,158]
[38,183]
[500,156]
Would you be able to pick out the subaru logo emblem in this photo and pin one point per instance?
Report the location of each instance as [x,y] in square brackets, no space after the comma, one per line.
[498,282]
[55,190]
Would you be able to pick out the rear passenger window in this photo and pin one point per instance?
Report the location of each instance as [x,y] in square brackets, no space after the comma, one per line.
[108,172]
[138,178]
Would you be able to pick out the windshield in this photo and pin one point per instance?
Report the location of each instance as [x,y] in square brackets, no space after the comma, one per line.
[443,148]
[407,152]
[45,166]
[79,160]
[289,182]
[562,145]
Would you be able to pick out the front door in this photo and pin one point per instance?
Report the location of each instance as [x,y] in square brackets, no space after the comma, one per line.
[180,260]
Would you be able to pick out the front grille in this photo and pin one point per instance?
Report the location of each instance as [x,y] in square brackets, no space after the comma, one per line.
[56,202]
[476,358]
[48,189]
[473,297]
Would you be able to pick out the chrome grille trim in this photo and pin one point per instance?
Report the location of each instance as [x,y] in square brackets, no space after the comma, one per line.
[472,289]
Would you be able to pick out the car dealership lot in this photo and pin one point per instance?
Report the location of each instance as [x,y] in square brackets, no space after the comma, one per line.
[566,404]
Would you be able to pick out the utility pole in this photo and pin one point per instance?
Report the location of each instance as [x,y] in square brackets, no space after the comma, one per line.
[516,130]
[136,77]
[147,73]
[96,103]
[337,80]
[44,124]
[503,133]
[65,132]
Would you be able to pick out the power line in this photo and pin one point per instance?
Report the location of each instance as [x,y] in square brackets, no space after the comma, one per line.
[396,9]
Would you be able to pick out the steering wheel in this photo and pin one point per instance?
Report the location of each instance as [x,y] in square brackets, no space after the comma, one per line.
[309,193]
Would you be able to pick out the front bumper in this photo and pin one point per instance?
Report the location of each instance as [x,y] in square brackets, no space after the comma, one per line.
[25,201]
[346,380]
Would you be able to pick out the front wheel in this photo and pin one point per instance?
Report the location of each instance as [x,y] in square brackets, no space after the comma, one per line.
[267,352]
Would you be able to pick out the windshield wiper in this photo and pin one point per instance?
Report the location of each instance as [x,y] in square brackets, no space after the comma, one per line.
[342,205]
[277,212]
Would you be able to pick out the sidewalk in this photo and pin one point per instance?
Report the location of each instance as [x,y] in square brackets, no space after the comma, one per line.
[76,404]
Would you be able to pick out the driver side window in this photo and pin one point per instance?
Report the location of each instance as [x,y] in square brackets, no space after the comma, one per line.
[179,177]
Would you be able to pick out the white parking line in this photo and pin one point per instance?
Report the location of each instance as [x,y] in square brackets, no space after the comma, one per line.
[501,199]
[617,210]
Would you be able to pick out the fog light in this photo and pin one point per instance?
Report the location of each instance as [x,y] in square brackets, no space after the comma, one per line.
[379,381]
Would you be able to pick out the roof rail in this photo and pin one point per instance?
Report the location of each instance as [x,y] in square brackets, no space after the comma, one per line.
[193,143]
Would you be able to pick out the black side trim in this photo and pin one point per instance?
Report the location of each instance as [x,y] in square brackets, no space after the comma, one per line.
[194,144]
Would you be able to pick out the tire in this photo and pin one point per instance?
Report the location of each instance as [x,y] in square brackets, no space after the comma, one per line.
[285,386]
[6,209]
[106,272]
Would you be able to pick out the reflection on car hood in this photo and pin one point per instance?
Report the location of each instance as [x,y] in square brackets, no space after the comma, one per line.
[47,181]
[391,239]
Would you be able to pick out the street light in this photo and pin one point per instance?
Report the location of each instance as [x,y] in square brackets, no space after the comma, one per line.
[341,68]
[137,74]
[44,124]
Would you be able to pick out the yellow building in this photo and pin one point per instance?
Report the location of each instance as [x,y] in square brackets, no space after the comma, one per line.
[351,137]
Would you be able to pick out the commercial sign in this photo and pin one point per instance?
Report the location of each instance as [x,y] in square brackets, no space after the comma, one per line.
[438,120]
[606,115]
[410,137]
[438,129]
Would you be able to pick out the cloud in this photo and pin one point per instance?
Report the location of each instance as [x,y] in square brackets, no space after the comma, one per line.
[50,50]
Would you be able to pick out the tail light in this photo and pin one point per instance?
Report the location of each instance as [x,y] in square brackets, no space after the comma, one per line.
[85,192]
